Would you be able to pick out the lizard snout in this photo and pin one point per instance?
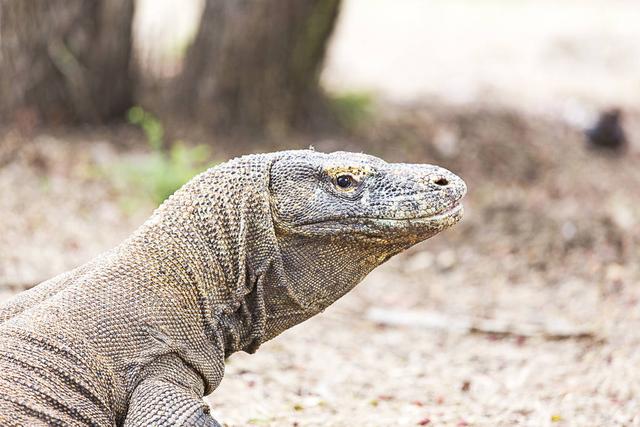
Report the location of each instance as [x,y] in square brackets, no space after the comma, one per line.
[441,179]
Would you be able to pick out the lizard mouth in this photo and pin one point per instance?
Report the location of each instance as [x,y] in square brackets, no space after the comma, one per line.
[455,210]
[447,217]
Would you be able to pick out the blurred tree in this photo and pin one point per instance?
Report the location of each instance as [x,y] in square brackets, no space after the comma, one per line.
[255,64]
[65,60]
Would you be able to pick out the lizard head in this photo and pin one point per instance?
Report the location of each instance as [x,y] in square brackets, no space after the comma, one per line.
[338,216]
[355,196]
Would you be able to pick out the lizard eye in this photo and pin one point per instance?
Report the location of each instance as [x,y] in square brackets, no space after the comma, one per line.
[345,181]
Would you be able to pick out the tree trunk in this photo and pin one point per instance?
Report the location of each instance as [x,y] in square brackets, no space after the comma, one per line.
[65,60]
[255,64]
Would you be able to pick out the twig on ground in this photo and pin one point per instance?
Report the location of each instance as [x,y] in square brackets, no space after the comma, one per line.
[551,329]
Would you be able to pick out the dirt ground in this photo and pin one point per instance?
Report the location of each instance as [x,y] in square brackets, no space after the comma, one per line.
[524,314]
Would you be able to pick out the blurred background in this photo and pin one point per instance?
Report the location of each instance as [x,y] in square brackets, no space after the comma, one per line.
[526,313]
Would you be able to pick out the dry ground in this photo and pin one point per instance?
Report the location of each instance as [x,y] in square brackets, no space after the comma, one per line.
[524,314]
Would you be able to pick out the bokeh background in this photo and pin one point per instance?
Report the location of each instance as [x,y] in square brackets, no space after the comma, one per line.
[526,313]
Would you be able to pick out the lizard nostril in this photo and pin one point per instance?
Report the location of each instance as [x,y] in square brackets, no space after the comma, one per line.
[441,181]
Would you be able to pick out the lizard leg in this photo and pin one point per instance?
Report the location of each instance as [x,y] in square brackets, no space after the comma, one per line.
[170,395]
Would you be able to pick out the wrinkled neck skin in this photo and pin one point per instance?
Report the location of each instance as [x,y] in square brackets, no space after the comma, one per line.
[222,221]
[310,274]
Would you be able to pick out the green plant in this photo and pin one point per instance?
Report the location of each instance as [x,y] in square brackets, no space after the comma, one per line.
[150,125]
[352,109]
[158,174]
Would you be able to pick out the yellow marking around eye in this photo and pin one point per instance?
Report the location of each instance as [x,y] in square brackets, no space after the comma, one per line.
[355,171]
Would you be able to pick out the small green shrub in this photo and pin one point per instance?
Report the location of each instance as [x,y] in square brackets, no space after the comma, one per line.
[159,174]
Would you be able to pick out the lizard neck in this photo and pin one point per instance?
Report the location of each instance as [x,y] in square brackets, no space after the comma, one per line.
[217,245]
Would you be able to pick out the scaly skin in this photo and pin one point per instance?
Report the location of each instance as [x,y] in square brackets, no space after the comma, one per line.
[241,253]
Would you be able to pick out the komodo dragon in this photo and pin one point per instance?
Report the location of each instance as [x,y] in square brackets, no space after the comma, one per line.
[241,253]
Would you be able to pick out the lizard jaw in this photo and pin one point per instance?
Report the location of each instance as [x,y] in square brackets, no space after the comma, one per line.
[455,211]
[420,227]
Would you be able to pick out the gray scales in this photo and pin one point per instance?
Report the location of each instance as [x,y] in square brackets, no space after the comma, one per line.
[241,253]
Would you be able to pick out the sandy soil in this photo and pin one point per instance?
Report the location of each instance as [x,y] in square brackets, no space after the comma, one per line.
[524,314]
